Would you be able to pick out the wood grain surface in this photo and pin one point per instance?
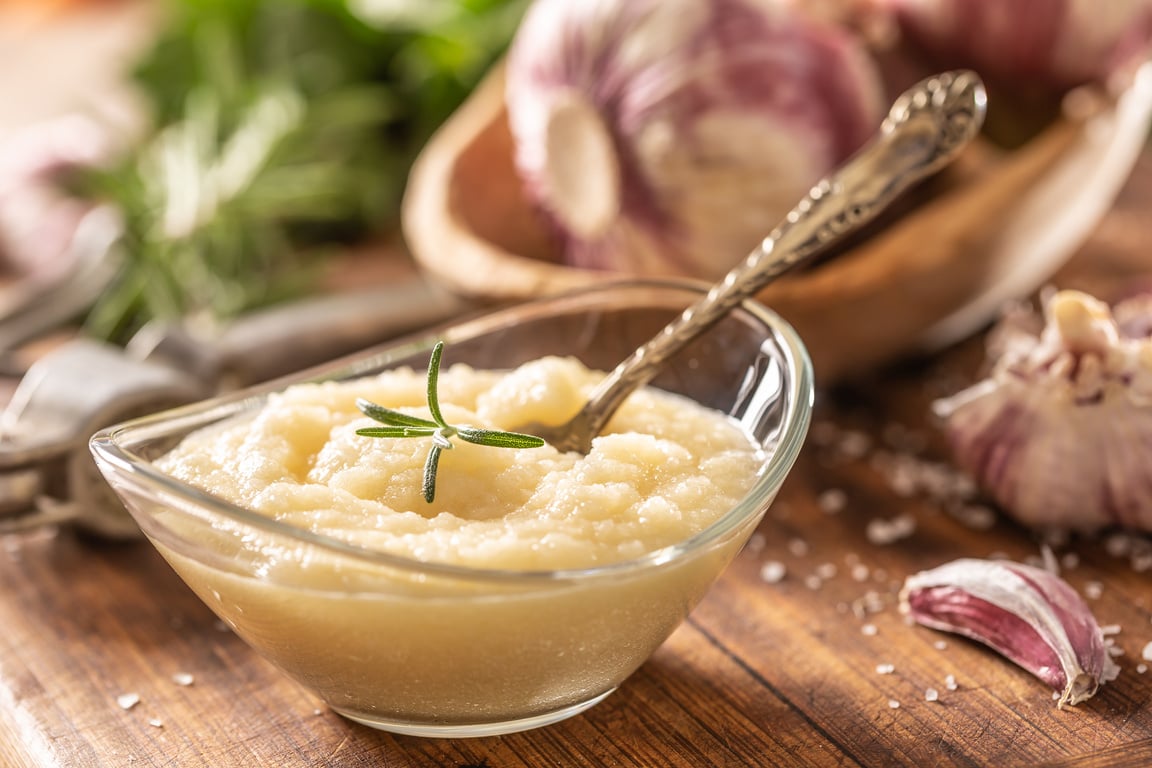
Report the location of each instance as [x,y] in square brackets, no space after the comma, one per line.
[788,672]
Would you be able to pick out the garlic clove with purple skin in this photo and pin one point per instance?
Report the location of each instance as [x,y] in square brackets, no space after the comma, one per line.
[1060,433]
[1029,615]
[668,137]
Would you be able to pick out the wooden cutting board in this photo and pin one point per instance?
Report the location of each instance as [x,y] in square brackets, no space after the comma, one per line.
[765,672]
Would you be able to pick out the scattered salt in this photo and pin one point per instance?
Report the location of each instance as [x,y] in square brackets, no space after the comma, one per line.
[1141,668]
[773,572]
[128,700]
[182,678]
[1070,561]
[813,582]
[860,572]
[950,682]
[756,542]
[931,694]
[869,630]
[940,645]
[881,531]
[893,704]
[1093,590]
[156,722]
[798,547]
[1146,654]
[885,669]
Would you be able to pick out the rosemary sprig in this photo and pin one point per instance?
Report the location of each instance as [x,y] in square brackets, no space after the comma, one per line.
[397,424]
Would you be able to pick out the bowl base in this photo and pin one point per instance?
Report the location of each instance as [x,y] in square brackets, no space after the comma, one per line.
[465,730]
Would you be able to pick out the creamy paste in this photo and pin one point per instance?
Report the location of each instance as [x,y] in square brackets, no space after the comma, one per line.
[664,469]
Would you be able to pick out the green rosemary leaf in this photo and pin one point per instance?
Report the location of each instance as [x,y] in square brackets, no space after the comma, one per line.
[394,418]
[394,431]
[498,439]
[433,383]
[431,465]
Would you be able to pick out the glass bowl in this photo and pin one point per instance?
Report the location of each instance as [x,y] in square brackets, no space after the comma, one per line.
[434,649]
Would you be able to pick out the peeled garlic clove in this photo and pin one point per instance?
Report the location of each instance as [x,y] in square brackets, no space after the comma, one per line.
[669,137]
[1060,434]
[1029,615]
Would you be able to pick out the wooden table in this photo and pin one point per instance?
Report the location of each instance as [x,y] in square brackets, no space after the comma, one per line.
[763,672]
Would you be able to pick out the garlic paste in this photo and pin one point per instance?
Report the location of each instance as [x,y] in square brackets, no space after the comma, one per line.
[664,469]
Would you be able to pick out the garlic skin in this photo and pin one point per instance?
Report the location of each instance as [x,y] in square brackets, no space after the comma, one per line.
[668,137]
[1060,433]
[1059,43]
[1029,615]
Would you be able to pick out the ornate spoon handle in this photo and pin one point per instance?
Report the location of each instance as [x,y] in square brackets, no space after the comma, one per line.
[925,129]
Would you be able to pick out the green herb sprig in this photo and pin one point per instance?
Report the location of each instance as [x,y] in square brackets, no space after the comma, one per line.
[282,131]
[397,424]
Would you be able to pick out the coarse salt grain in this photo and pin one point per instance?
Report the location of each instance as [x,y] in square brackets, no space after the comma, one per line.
[893,704]
[156,722]
[826,571]
[860,572]
[885,669]
[127,700]
[940,645]
[182,678]
[869,630]
[756,542]
[798,547]
[854,444]
[1146,654]
[1118,545]
[773,572]
[832,501]
[931,694]
[976,517]
[1069,561]
[1141,668]
[950,682]
[1093,590]
[813,582]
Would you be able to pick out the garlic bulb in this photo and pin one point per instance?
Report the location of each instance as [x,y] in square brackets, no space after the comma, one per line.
[1058,43]
[671,136]
[37,219]
[1060,434]
[1029,615]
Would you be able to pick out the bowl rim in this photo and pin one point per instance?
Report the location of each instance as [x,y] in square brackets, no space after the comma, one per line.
[112,457]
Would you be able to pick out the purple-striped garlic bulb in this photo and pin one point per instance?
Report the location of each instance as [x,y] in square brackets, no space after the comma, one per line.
[670,136]
[1028,615]
[38,219]
[1059,43]
[1060,433]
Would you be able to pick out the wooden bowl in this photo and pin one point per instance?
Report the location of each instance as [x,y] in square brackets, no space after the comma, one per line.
[993,228]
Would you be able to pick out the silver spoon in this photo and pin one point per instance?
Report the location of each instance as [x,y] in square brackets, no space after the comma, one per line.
[925,129]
